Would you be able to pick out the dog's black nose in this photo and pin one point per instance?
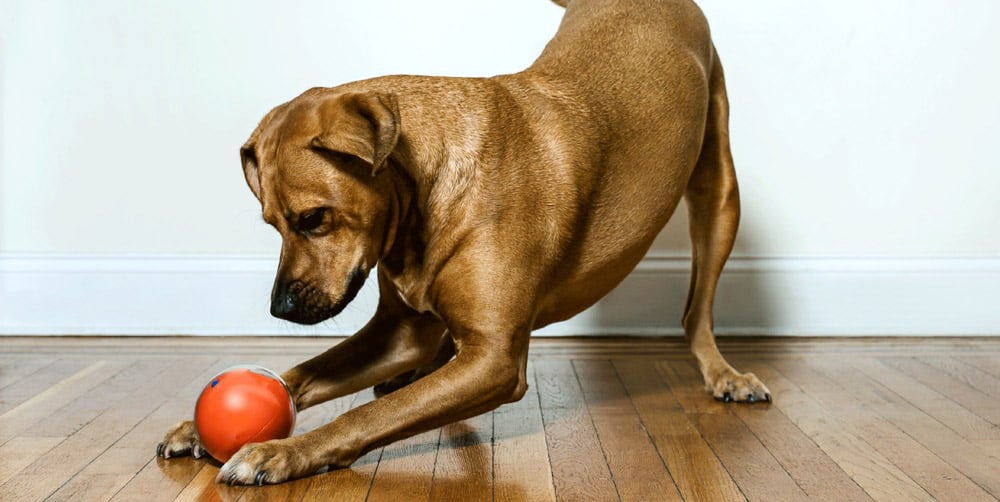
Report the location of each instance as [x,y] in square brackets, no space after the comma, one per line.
[283,302]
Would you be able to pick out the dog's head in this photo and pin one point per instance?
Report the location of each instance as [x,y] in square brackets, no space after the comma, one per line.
[316,164]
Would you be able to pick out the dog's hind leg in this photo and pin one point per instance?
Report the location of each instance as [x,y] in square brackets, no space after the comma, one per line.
[714,211]
[446,350]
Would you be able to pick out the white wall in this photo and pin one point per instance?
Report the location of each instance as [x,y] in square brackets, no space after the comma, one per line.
[862,131]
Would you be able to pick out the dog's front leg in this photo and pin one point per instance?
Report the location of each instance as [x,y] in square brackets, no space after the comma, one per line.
[384,348]
[488,370]
[391,343]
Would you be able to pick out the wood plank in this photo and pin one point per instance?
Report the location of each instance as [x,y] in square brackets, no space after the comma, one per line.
[990,447]
[697,472]
[637,468]
[934,475]
[879,477]
[20,452]
[52,388]
[464,468]
[885,408]
[943,441]
[39,381]
[939,406]
[352,483]
[966,373]
[755,470]
[521,470]
[968,396]
[293,490]
[811,468]
[579,469]
[90,487]
[52,470]
[15,370]
[203,487]
[94,401]
[406,469]
[989,363]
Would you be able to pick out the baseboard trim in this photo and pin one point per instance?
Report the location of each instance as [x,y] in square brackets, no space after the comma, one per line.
[789,296]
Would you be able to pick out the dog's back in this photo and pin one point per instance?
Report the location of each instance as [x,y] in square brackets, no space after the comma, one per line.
[640,72]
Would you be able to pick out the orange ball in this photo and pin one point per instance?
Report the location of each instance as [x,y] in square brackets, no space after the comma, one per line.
[243,404]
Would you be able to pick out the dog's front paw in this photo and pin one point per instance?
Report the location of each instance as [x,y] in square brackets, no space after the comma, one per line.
[266,463]
[730,385]
[179,441]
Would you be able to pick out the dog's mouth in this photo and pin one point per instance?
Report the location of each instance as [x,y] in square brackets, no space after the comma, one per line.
[316,306]
[354,283]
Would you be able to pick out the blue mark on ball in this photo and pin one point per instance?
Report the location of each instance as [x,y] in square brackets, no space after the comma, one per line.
[215,382]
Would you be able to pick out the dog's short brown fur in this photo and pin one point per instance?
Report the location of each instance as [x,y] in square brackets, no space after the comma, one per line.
[492,206]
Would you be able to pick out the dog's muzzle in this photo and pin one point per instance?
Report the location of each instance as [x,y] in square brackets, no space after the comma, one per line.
[300,302]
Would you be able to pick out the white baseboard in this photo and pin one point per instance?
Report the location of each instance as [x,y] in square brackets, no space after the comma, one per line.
[229,295]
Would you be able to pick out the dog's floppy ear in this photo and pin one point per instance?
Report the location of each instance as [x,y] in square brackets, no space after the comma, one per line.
[365,125]
[249,158]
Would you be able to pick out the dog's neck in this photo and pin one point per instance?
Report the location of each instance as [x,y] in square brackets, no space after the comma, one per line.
[439,168]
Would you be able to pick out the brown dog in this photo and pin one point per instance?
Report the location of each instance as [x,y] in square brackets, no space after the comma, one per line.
[493,207]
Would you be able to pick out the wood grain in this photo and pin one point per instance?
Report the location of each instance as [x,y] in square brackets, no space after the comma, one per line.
[966,373]
[14,370]
[579,468]
[603,419]
[959,452]
[940,406]
[876,474]
[55,387]
[811,468]
[695,468]
[966,395]
[464,471]
[752,467]
[406,469]
[934,475]
[521,469]
[58,374]
[638,471]
[58,465]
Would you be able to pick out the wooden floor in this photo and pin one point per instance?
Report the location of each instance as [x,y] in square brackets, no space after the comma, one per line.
[604,419]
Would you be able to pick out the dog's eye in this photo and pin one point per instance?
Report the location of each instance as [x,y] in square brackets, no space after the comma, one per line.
[312,220]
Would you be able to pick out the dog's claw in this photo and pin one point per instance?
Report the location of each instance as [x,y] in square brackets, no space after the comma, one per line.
[727,398]
[159,450]
[259,479]
[197,452]
[767,397]
[751,399]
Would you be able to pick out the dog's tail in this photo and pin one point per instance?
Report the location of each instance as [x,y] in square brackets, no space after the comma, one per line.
[561,3]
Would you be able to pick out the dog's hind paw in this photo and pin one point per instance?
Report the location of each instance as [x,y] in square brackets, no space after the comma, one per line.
[730,385]
[179,441]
